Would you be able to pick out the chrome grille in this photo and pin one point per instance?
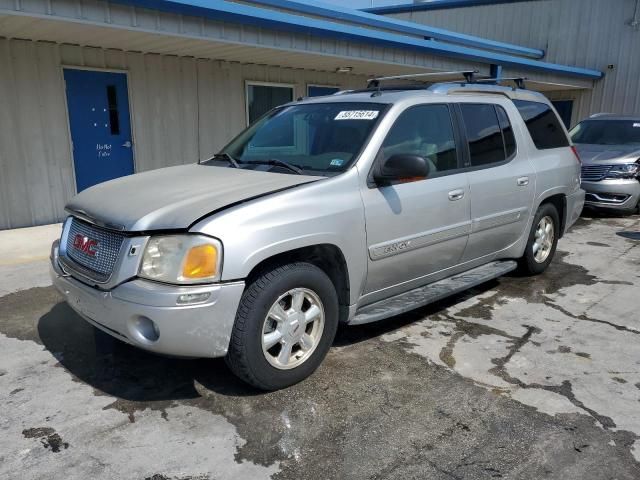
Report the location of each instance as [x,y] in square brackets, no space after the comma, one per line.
[107,249]
[595,173]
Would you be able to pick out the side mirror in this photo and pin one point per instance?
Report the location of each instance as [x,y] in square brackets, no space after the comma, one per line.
[398,167]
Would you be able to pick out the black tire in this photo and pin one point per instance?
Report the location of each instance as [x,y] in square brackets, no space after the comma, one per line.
[245,357]
[528,263]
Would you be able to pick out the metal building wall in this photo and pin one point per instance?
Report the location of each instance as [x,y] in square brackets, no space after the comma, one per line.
[585,33]
[182,109]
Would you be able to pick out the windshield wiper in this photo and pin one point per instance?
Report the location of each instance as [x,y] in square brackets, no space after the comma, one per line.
[228,158]
[282,163]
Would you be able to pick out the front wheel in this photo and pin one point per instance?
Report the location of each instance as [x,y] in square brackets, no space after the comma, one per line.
[285,325]
[542,242]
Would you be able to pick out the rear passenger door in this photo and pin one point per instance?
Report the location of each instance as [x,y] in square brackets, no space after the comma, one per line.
[501,179]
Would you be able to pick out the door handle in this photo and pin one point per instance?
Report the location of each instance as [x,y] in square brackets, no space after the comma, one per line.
[127,144]
[523,181]
[456,195]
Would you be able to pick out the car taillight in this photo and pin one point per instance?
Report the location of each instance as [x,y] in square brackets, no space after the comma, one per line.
[575,152]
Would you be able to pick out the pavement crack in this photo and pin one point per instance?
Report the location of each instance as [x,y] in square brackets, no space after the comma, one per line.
[465,328]
[586,318]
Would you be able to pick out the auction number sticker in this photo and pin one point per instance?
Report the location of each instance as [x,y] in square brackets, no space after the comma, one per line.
[357,115]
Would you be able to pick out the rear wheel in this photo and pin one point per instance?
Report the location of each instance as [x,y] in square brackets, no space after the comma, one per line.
[285,325]
[542,242]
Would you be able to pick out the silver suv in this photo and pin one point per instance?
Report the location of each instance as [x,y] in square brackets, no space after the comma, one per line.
[609,146]
[343,209]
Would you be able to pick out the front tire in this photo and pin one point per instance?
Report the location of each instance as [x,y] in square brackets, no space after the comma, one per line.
[285,324]
[542,242]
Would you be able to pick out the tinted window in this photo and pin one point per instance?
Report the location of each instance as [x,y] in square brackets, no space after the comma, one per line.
[543,124]
[507,132]
[607,132]
[424,130]
[483,133]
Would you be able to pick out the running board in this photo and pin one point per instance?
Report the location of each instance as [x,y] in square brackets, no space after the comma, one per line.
[433,292]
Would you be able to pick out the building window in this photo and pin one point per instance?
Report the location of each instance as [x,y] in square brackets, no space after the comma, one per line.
[262,97]
[321,90]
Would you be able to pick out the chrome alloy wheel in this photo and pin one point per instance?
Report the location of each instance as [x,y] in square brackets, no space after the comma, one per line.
[544,237]
[292,328]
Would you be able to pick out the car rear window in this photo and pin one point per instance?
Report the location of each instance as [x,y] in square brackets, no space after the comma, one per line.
[543,124]
[489,133]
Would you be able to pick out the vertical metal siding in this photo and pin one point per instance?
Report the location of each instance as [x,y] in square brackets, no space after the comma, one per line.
[182,109]
[589,33]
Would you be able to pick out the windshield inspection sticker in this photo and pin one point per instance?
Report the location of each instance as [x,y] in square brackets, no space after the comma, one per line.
[636,125]
[336,162]
[357,115]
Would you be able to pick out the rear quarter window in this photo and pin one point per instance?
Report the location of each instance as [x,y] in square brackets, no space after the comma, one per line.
[543,124]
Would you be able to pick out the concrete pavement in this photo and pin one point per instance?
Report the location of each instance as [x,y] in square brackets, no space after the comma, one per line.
[520,378]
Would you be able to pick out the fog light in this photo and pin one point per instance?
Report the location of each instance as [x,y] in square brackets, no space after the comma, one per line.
[145,329]
[189,298]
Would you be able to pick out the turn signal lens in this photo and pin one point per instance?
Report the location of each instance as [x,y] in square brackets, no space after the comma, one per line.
[200,262]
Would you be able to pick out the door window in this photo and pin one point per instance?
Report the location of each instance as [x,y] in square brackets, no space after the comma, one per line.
[426,131]
[263,97]
[486,145]
[507,132]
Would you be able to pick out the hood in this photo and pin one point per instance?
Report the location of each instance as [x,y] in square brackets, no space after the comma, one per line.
[175,197]
[608,154]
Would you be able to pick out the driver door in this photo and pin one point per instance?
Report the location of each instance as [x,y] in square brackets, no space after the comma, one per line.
[418,228]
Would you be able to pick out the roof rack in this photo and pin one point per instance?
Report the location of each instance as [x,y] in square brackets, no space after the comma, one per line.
[469,76]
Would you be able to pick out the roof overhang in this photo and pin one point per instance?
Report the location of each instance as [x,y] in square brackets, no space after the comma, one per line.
[245,14]
[131,36]
[435,5]
[336,12]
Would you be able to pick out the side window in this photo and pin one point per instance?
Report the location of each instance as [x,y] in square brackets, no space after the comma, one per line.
[543,124]
[483,133]
[507,132]
[424,130]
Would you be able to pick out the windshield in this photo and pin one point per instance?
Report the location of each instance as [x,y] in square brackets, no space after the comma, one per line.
[321,138]
[607,132]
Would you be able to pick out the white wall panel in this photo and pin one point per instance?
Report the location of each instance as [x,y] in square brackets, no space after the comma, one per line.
[182,109]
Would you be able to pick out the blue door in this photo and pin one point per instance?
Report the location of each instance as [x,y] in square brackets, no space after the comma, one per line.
[100,125]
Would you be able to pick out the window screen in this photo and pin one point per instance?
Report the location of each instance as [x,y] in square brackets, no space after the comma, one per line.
[426,131]
[483,133]
[262,98]
[543,124]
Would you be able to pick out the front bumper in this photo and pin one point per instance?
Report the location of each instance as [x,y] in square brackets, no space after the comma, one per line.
[125,312]
[622,194]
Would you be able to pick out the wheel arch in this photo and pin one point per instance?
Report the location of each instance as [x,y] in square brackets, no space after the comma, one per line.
[326,256]
[559,201]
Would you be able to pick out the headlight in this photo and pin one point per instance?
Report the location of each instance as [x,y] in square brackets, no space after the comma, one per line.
[626,170]
[183,259]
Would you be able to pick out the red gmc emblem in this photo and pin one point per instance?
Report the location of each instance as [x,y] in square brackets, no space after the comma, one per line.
[85,244]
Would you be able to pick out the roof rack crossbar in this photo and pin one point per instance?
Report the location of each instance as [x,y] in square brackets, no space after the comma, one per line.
[469,75]
[519,81]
